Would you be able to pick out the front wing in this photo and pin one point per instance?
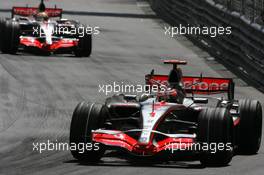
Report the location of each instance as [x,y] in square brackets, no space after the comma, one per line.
[61,43]
[122,140]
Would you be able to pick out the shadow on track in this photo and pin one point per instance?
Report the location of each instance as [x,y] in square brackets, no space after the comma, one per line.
[121,160]
[178,165]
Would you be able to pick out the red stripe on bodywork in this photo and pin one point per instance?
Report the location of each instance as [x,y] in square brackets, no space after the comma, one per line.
[29,11]
[122,140]
[33,42]
[237,121]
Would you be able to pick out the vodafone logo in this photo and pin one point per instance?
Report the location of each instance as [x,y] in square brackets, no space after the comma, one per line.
[27,11]
[205,85]
[196,83]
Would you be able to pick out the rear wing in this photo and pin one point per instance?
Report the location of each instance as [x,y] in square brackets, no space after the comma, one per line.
[29,11]
[198,85]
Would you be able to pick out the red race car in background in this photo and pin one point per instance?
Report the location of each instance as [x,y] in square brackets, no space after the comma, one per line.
[43,29]
[174,123]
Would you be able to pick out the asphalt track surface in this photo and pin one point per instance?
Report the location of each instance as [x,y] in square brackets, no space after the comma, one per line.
[39,93]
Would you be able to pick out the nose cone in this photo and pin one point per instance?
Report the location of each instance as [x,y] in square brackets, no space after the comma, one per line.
[145,150]
[48,32]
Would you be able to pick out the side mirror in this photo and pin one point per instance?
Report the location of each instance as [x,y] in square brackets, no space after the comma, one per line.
[200,100]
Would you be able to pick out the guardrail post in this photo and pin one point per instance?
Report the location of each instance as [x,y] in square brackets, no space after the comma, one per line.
[254,11]
[243,7]
[229,5]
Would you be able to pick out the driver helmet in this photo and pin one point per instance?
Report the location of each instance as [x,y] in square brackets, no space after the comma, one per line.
[42,16]
[167,95]
[171,95]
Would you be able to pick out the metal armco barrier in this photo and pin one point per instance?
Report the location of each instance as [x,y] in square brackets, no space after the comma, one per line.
[243,50]
[252,9]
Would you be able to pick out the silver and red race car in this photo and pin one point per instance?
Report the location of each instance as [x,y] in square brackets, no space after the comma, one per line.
[42,30]
[177,122]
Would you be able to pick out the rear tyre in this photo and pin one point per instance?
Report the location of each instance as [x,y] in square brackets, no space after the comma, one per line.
[215,128]
[84,48]
[86,117]
[250,127]
[10,39]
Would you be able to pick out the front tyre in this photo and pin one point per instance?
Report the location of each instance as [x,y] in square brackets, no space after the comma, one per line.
[10,37]
[84,47]
[215,127]
[250,128]
[86,117]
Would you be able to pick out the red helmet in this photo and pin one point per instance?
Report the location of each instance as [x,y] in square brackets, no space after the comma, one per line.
[42,16]
[168,95]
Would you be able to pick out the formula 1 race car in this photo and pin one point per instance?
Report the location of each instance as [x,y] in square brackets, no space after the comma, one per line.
[167,126]
[43,29]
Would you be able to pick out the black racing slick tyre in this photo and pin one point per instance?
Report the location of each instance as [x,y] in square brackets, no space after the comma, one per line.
[11,37]
[215,132]
[86,117]
[250,127]
[84,48]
